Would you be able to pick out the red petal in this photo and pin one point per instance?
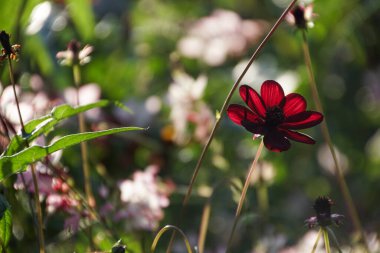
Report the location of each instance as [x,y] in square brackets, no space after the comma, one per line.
[294,103]
[238,113]
[300,137]
[253,100]
[271,93]
[302,120]
[243,116]
[275,141]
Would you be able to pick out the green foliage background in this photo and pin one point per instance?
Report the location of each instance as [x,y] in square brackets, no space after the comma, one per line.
[134,44]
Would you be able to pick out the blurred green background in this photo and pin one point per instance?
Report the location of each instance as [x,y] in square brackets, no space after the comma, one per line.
[137,55]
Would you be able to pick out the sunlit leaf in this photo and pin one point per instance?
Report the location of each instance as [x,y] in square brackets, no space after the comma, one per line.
[5,223]
[44,124]
[82,16]
[16,163]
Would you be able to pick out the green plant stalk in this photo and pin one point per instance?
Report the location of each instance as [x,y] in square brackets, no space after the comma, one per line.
[204,225]
[326,135]
[317,240]
[33,169]
[262,198]
[223,109]
[167,228]
[84,153]
[244,193]
[326,239]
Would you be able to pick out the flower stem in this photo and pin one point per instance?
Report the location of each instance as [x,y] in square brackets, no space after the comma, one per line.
[84,152]
[34,177]
[244,193]
[317,240]
[326,239]
[326,135]
[223,109]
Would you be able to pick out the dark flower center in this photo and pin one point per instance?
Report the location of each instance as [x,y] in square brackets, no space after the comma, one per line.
[274,116]
[74,47]
[299,16]
[322,207]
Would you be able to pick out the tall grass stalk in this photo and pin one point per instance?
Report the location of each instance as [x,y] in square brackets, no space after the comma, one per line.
[326,239]
[326,135]
[84,152]
[223,109]
[40,224]
[317,240]
[244,193]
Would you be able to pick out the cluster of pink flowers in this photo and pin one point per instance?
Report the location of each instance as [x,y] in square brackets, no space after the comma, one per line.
[214,38]
[142,200]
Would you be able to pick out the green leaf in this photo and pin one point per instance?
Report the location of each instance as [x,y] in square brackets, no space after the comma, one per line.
[5,223]
[16,163]
[82,16]
[44,124]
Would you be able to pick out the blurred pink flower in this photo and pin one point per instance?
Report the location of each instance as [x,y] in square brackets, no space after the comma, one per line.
[74,54]
[143,197]
[220,35]
[58,201]
[32,104]
[88,93]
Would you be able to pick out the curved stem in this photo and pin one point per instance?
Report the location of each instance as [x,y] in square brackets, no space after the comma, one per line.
[222,110]
[326,135]
[244,193]
[84,152]
[34,176]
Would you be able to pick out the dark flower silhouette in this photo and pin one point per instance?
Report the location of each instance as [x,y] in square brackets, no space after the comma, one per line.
[324,218]
[8,49]
[301,16]
[274,115]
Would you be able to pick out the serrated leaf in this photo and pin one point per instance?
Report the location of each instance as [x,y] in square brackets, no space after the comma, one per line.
[44,124]
[5,223]
[17,163]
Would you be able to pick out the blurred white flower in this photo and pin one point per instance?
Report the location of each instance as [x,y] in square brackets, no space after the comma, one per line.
[143,199]
[38,17]
[326,160]
[266,69]
[220,35]
[184,97]
[265,173]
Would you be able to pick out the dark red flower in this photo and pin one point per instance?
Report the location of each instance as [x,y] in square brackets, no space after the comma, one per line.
[274,115]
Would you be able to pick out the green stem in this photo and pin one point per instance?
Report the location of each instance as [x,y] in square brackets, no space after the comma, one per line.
[316,241]
[223,109]
[326,239]
[262,198]
[84,153]
[326,135]
[34,177]
[244,193]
